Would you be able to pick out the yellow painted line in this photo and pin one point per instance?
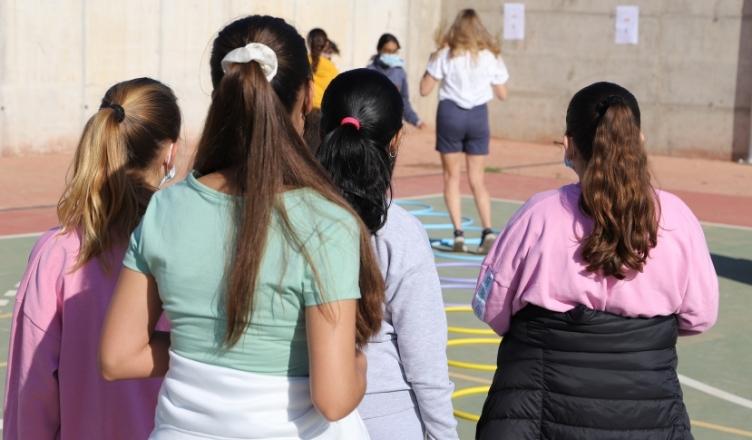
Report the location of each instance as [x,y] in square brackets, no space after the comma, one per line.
[3,364]
[5,315]
[469,378]
[721,428]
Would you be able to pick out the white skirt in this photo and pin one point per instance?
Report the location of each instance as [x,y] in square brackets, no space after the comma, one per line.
[202,401]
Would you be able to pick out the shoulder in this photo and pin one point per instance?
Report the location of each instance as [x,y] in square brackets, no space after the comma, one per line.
[543,203]
[56,242]
[311,212]
[400,223]
[674,212]
[326,66]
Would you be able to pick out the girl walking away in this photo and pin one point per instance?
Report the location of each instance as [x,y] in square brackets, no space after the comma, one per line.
[591,283]
[323,68]
[266,273]
[409,392]
[388,62]
[469,66]
[53,389]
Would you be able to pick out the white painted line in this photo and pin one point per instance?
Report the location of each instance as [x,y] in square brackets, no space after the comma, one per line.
[12,236]
[3,302]
[10,293]
[17,284]
[715,392]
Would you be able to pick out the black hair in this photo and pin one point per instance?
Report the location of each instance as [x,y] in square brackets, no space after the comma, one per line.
[358,159]
[317,41]
[387,38]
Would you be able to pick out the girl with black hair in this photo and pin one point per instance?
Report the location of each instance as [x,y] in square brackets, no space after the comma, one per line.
[388,62]
[590,285]
[409,391]
[266,273]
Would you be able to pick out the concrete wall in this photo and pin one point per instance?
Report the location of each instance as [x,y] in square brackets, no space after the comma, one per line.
[691,71]
[58,57]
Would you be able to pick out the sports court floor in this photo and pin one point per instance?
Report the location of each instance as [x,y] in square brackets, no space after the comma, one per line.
[715,367]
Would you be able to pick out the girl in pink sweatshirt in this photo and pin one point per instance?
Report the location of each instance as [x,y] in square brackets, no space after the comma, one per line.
[53,387]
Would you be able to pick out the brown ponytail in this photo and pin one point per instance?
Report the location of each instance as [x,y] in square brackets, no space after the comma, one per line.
[106,194]
[604,122]
[250,136]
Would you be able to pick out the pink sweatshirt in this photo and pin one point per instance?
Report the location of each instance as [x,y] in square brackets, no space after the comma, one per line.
[54,389]
[536,260]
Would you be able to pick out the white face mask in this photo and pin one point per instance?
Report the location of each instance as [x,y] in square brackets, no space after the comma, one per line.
[169,175]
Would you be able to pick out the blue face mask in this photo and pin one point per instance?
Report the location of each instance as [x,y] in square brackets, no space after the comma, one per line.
[568,163]
[391,60]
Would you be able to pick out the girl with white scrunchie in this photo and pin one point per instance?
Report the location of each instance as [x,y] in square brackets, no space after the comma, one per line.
[266,273]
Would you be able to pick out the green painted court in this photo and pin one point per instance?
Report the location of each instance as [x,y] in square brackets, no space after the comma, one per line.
[714,367]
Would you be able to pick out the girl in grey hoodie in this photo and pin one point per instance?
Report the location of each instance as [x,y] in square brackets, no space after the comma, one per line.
[408,395]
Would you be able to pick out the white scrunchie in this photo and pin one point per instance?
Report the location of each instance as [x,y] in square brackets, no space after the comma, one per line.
[260,53]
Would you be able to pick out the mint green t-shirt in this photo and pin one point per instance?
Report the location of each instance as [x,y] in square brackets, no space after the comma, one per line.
[185,242]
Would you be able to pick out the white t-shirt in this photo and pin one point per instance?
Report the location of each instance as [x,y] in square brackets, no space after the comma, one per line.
[465,80]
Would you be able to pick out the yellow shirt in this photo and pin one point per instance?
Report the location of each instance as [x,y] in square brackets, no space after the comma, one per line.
[323,75]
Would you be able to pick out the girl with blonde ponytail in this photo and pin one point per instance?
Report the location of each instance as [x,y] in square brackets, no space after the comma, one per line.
[53,388]
[591,284]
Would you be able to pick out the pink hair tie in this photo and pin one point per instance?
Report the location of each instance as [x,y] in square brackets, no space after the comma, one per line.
[350,120]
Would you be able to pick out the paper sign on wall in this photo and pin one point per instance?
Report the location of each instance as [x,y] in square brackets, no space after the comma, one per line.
[514,21]
[627,24]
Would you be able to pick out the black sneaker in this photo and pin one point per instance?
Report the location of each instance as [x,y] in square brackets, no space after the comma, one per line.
[486,242]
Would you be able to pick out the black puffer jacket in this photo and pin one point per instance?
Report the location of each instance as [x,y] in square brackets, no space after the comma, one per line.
[584,375]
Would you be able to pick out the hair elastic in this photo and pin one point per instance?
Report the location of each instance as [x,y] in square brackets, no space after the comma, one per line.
[351,121]
[258,52]
[116,108]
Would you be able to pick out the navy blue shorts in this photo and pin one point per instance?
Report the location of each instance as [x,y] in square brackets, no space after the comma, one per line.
[460,130]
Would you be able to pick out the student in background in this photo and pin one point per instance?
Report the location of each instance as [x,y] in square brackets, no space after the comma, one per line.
[323,69]
[330,50]
[409,392]
[53,388]
[591,283]
[471,72]
[388,62]
[266,273]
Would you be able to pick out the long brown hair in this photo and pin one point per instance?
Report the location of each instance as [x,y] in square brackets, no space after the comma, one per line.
[250,136]
[106,194]
[467,34]
[603,120]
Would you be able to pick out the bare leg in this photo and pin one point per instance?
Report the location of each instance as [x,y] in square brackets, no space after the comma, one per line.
[475,173]
[452,165]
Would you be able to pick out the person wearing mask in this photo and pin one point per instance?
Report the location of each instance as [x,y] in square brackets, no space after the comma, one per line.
[53,389]
[388,62]
[589,285]
[265,272]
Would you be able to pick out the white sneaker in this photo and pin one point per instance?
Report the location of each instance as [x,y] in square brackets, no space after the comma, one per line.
[487,243]
[459,244]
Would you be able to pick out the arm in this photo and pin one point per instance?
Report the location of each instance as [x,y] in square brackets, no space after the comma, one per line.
[130,348]
[496,294]
[427,83]
[410,115]
[32,396]
[500,91]
[337,369]
[699,308]
[419,320]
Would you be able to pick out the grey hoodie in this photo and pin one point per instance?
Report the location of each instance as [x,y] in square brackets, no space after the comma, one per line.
[407,362]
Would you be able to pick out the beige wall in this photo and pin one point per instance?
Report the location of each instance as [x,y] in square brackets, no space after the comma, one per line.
[692,70]
[57,57]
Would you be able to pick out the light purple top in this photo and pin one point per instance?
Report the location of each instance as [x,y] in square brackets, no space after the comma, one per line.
[54,389]
[536,260]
